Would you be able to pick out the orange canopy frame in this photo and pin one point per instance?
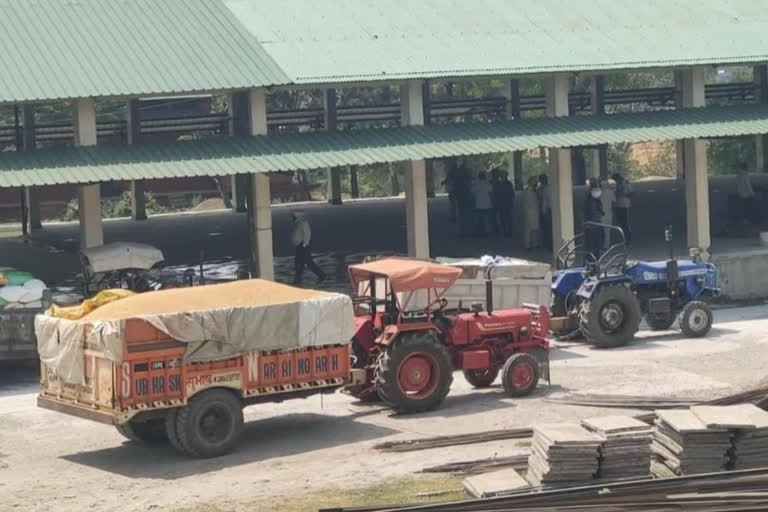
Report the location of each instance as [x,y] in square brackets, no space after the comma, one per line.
[406,275]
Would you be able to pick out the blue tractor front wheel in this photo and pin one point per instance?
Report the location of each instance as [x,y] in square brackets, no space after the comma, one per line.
[696,319]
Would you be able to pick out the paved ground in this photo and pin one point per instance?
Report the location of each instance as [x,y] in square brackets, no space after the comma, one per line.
[50,461]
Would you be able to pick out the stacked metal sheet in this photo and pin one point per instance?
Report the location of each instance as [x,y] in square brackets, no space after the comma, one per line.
[685,445]
[563,454]
[626,448]
[750,426]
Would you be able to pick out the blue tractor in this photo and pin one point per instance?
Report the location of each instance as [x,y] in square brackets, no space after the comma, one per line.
[605,297]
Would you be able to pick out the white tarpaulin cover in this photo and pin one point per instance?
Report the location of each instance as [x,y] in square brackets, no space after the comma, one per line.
[122,255]
[217,321]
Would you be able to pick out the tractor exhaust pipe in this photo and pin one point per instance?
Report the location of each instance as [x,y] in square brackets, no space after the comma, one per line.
[488,290]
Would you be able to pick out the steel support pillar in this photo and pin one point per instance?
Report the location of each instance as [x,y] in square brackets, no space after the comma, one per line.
[416,211]
[599,167]
[512,95]
[133,136]
[556,90]
[29,139]
[89,196]
[333,182]
[690,85]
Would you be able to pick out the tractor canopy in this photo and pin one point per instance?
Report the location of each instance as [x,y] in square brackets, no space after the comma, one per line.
[406,275]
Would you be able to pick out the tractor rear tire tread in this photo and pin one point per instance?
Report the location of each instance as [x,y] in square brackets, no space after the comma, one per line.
[187,421]
[685,319]
[481,381]
[589,316]
[507,377]
[387,379]
[660,324]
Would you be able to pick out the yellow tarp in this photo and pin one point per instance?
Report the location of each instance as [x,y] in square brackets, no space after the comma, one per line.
[88,305]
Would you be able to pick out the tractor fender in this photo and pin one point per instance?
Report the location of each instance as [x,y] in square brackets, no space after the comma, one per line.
[391,333]
[590,286]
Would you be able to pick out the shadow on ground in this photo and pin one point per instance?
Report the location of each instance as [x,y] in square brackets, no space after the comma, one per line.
[262,440]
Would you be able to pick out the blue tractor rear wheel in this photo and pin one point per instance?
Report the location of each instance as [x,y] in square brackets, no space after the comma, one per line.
[611,317]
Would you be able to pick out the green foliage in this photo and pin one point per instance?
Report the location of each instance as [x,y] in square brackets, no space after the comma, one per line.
[115,208]
[726,156]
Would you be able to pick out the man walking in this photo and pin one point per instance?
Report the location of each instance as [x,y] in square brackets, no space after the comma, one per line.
[623,204]
[301,238]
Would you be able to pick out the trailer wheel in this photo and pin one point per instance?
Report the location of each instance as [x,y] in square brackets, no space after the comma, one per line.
[481,378]
[211,423]
[696,319]
[520,375]
[660,321]
[415,373]
[145,432]
[611,318]
[170,429]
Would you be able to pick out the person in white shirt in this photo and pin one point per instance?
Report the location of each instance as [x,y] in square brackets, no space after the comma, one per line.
[483,193]
[532,215]
[301,238]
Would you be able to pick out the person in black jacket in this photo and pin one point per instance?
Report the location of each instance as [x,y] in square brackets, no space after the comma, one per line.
[593,212]
[503,201]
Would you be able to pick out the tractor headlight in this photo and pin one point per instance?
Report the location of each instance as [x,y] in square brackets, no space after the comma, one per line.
[524,332]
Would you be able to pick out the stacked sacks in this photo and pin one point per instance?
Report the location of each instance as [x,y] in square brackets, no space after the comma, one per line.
[626,449]
[562,454]
[20,289]
[686,446]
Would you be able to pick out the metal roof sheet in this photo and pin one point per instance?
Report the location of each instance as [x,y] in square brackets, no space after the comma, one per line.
[230,155]
[326,41]
[59,49]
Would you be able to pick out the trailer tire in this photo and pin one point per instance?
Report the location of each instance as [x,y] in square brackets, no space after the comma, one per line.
[520,374]
[696,319]
[611,318]
[170,429]
[415,373]
[144,432]
[479,379]
[211,423]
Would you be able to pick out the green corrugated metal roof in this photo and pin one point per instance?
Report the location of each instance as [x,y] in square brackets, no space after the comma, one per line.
[222,156]
[325,41]
[54,49]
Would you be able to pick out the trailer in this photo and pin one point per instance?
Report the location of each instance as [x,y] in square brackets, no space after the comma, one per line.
[179,365]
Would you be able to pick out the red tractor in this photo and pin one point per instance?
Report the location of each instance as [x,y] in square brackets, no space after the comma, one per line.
[410,342]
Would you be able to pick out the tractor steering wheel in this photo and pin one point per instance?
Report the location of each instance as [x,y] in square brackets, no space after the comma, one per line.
[443,303]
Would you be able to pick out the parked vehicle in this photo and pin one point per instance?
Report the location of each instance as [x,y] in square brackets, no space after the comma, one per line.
[606,298]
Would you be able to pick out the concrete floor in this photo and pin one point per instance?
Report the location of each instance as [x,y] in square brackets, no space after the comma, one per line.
[49,461]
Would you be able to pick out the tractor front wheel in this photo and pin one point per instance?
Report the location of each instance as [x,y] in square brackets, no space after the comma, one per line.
[481,378]
[696,319]
[520,374]
[415,373]
[611,317]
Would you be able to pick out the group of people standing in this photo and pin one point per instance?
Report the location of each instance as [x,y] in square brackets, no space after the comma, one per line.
[606,205]
[481,206]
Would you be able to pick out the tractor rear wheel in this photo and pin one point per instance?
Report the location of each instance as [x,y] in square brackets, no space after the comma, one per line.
[481,378]
[415,373]
[520,374]
[660,321]
[145,432]
[611,317]
[211,423]
[696,319]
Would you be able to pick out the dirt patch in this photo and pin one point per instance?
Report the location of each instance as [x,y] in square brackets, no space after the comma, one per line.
[401,492]
[215,203]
